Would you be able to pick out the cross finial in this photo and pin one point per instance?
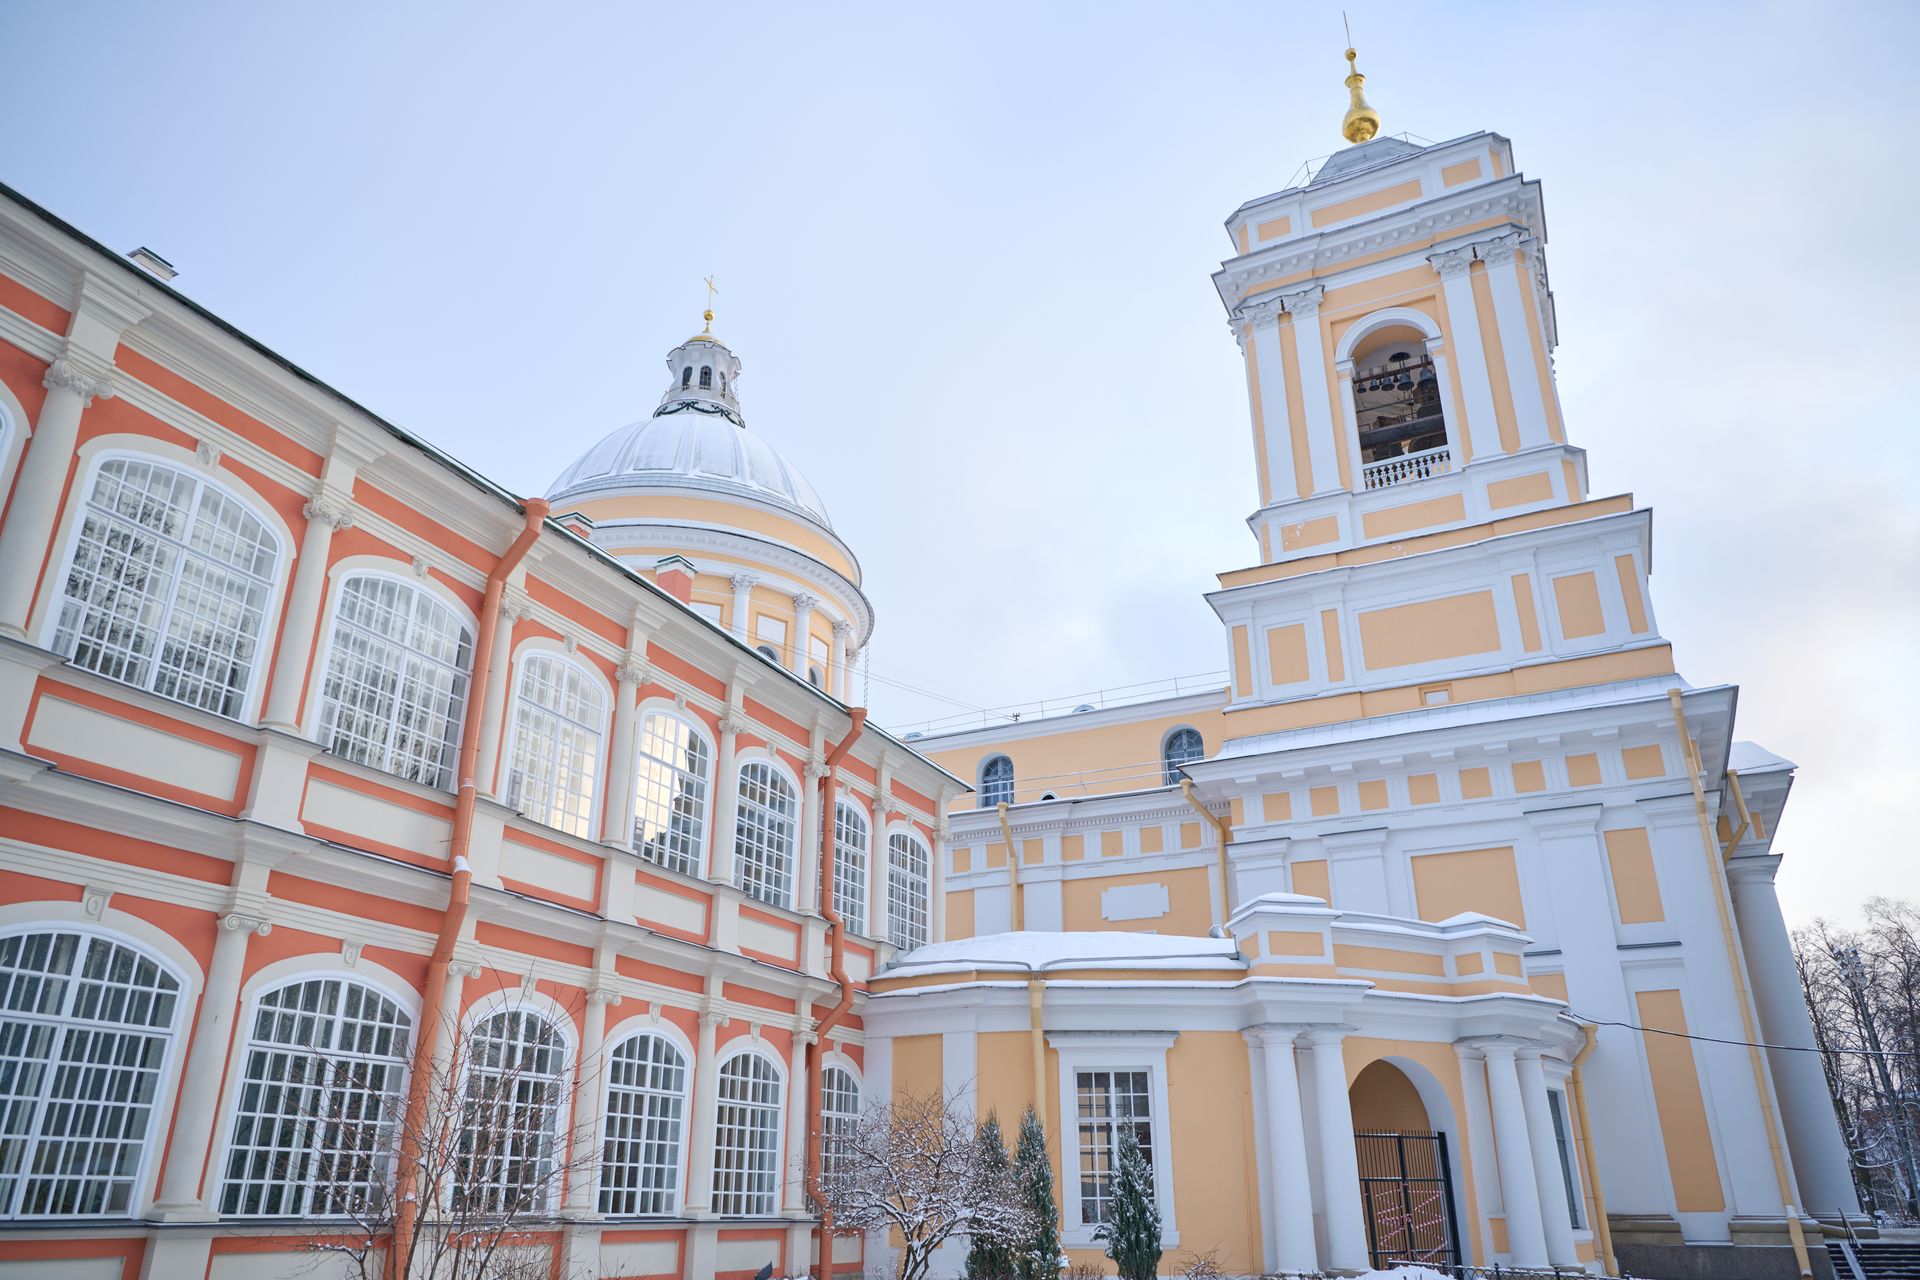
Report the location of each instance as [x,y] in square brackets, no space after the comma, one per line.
[712,289]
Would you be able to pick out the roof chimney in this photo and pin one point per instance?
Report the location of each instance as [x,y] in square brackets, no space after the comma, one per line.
[674,575]
[153,264]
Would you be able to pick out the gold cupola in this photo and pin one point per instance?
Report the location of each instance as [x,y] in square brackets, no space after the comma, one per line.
[1361,122]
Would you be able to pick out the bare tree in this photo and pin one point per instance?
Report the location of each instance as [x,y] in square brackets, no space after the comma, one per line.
[918,1167]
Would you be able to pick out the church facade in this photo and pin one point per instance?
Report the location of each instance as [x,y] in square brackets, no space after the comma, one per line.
[333,777]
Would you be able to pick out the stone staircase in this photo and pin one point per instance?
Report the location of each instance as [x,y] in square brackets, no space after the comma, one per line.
[1875,1259]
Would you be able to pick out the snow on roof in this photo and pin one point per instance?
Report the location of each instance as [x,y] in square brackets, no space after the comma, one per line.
[1034,951]
[1751,757]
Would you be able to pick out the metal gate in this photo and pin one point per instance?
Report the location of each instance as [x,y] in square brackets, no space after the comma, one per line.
[1406,1192]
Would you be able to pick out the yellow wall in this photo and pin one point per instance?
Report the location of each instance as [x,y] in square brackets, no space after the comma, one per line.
[1383,1100]
[1430,630]
[1210,1095]
[1676,1096]
[1084,760]
[1636,889]
[1190,909]
[1483,880]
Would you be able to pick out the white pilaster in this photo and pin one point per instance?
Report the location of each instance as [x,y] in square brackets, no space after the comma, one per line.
[841,656]
[1519,1186]
[73,382]
[1516,338]
[589,1107]
[743,584]
[329,511]
[1291,1194]
[1310,351]
[1463,326]
[1339,1165]
[622,761]
[800,643]
[726,804]
[706,1071]
[1554,1219]
[1259,334]
[515,607]
[794,1200]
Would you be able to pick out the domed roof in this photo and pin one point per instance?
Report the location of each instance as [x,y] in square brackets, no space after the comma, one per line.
[689,444]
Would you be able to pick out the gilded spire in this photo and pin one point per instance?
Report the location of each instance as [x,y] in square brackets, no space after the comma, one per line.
[1361,121]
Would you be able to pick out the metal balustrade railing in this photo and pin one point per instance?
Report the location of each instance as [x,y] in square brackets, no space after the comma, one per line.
[1407,467]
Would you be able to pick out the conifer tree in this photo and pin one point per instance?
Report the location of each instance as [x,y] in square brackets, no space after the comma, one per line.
[1038,1258]
[991,1257]
[1132,1233]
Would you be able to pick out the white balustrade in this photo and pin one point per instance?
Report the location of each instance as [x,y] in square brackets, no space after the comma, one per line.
[1407,467]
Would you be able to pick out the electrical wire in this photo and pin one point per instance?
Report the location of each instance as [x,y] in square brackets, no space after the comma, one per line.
[1744,1044]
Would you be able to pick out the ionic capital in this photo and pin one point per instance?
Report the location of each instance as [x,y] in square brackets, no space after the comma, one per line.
[515,605]
[235,922]
[633,672]
[330,507]
[83,377]
[602,996]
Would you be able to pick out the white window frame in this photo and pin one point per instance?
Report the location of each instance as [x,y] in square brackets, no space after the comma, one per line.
[667,1035]
[165,1096]
[829,1117]
[317,694]
[79,502]
[703,843]
[895,883]
[562,1134]
[1013,779]
[596,793]
[863,922]
[1122,1051]
[1168,769]
[727,1056]
[245,1043]
[1559,1108]
[746,761]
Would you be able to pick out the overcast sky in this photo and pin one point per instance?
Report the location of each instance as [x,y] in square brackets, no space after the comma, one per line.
[964,252]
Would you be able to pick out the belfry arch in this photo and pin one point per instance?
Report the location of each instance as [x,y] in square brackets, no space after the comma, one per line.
[1407,1147]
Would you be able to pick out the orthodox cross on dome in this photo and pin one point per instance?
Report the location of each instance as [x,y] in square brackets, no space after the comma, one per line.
[712,289]
[1361,122]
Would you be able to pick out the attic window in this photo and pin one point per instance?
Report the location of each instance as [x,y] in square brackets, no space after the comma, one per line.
[686,376]
[706,377]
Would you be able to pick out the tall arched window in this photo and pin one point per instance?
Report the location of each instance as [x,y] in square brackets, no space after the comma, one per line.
[313,1127]
[85,1024]
[909,891]
[646,1110]
[168,585]
[1182,747]
[851,836]
[556,744]
[839,1114]
[395,691]
[996,781]
[512,1107]
[746,1138]
[670,793]
[765,831]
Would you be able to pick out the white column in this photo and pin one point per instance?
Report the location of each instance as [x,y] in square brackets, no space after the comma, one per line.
[1310,351]
[1554,1219]
[1482,428]
[743,584]
[1291,1194]
[1339,1165]
[726,803]
[1259,336]
[842,651]
[795,1201]
[621,763]
[1519,1188]
[1516,339]
[1806,1109]
[1479,1138]
[589,1106]
[514,607]
[699,1197]
[193,1122]
[73,382]
[815,828]
[801,648]
[330,511]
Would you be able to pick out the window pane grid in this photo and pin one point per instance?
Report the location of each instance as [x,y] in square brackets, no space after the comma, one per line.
[746,1138]
[395,690]
[909,888]
[996,782]
[850,837]
[763,847]
[84,1027]
[646,1105]
[509,1136]
[556,745]
[168,586]
[670,795]
[839,1114]
[315,1119]
[1106,1102]
[1183,747]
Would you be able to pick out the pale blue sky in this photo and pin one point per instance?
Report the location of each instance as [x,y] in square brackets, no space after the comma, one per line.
[963,252]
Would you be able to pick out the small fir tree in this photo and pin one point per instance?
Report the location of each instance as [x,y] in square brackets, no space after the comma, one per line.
[1132,1233]
[991,1257]
[1038,1257]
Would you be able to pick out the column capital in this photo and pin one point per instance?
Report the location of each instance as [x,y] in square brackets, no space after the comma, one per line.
[1501,249]
[329,507]
[1269,1034]
[85,377]
[1452,264]
[744,581]
[842,629]
[1329,1037]
[1305,302]
[1753,869]
[634,672]
[1493,1048]
[1261,311]
[241,922]
[715,1018]
[816,767]
[515,604]
[805,603]
[602,996]
[730,722]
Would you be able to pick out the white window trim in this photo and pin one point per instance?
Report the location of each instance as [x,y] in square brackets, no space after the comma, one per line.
[1127,1051]
[666,1031]
[907,829]
[703,862]
[542,648]
[761,755]
[745,1046]
[845,795]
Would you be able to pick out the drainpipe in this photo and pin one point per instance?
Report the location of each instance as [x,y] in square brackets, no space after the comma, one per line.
[1746,818]
[1037,1042]
[837,970]
[405,1191]
[1223,829]
[1717,875]
[1016,911]
[1602,1230]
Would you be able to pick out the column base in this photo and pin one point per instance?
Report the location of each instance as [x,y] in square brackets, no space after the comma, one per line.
[194,1212]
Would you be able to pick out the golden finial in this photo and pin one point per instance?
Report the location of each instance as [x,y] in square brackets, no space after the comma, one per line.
[1361,122]
[707,332]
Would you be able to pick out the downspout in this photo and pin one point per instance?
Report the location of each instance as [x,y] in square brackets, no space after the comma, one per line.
[1223,829]
[1717,875]
[1016,912]
[1602,1230]
[837,970]
[406,1196]
[1746,818]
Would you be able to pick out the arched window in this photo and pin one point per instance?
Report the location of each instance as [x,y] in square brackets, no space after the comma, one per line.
[851,836]
[768,652]
[556,744]
[909,891]
[395,690]
[512,1105]
[686,377]
[168,586]
[996,781]
[763,844]
[839,1114]
[706,377]
[816,677]
[746,1138]
[646,1111]
[1182,747]
[1397,408]
[85,1024]
[670,794]
[313,1127]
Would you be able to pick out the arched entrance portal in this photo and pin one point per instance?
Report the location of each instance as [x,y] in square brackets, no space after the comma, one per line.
[1406,1177]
